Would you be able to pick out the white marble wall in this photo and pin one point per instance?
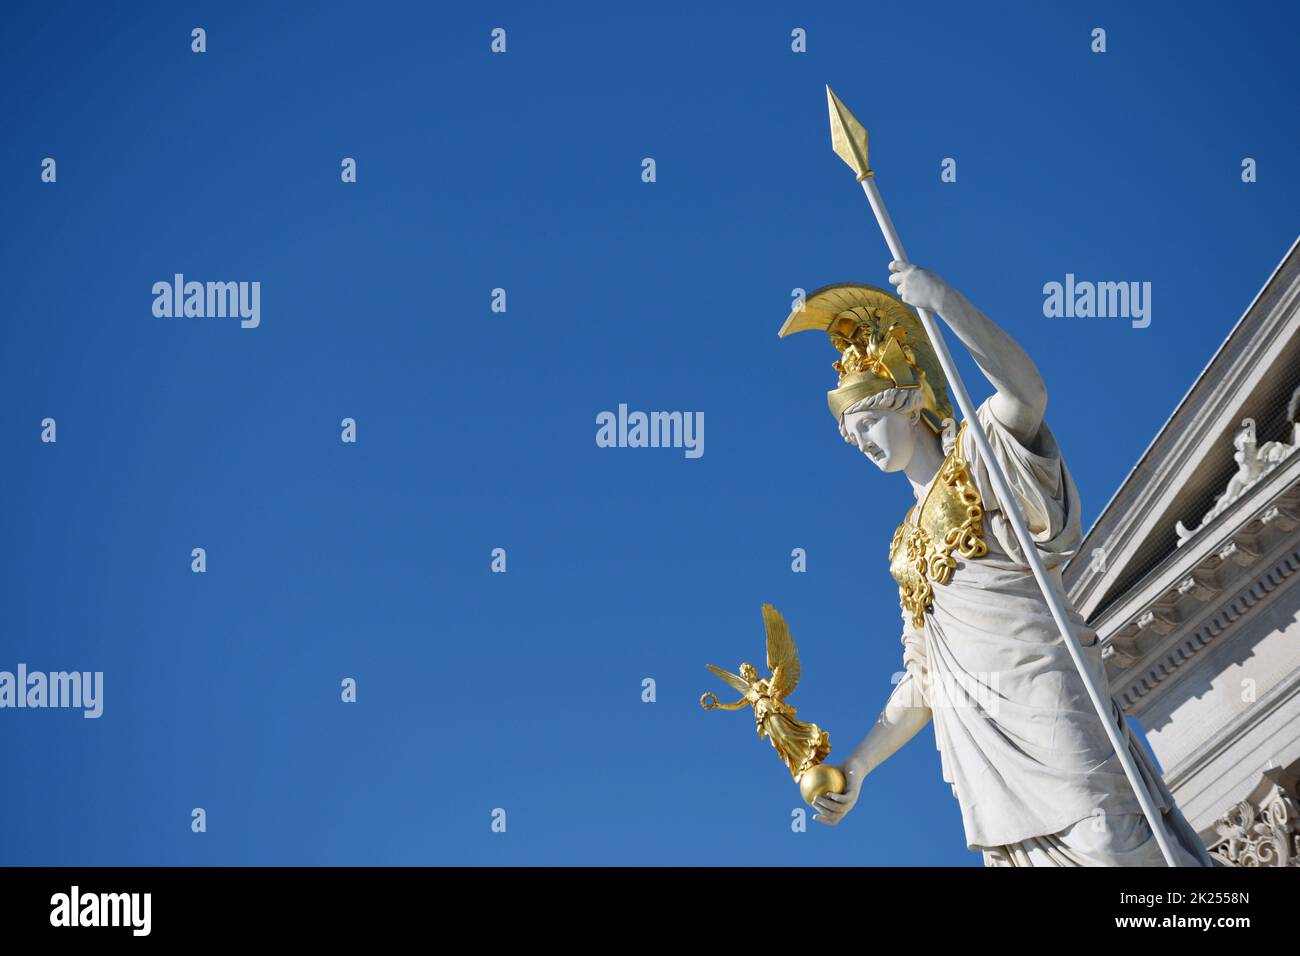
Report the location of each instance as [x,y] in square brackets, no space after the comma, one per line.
[1211,738]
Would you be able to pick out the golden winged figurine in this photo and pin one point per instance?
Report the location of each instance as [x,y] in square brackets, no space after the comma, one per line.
[801,745]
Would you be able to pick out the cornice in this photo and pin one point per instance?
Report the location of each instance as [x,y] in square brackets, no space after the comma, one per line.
[1227,573]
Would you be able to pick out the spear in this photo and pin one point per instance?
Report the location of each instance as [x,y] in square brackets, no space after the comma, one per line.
[849,139]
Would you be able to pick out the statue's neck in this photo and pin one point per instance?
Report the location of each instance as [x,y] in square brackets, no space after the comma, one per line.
[927,459]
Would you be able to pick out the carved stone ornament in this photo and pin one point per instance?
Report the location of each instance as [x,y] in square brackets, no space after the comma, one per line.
[1254,461]
[1262,830]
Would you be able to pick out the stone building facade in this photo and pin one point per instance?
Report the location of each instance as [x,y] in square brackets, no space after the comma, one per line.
[1191,575]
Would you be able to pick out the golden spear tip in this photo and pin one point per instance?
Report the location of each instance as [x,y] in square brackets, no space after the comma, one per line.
[848,136]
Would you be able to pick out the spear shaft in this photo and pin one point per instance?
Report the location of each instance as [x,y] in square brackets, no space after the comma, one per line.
[849,139]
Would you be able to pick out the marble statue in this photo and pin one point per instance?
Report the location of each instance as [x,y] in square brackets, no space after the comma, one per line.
[1021,744]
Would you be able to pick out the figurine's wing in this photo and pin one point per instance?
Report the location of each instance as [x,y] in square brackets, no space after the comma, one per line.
[782,656]
[734,680]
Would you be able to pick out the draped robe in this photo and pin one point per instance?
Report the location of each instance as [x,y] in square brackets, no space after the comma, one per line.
[1020,741]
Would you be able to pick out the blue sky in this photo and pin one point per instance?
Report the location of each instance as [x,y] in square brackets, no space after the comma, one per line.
[476,430]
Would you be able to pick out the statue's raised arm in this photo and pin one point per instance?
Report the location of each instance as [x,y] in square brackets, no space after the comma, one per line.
[1021,394]
[745,685]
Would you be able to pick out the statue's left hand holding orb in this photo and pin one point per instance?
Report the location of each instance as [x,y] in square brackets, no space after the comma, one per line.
[831,807]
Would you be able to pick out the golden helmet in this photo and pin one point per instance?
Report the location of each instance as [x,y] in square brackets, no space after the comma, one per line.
[882,345]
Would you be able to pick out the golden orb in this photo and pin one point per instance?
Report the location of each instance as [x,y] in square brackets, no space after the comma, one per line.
[823,778]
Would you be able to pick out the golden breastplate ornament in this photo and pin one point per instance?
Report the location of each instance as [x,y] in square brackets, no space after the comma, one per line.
[949,519]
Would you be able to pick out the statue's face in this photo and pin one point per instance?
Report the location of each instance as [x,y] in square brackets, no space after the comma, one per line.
[885,436]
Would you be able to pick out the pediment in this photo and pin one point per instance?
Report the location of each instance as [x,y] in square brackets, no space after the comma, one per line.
[1190,463]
